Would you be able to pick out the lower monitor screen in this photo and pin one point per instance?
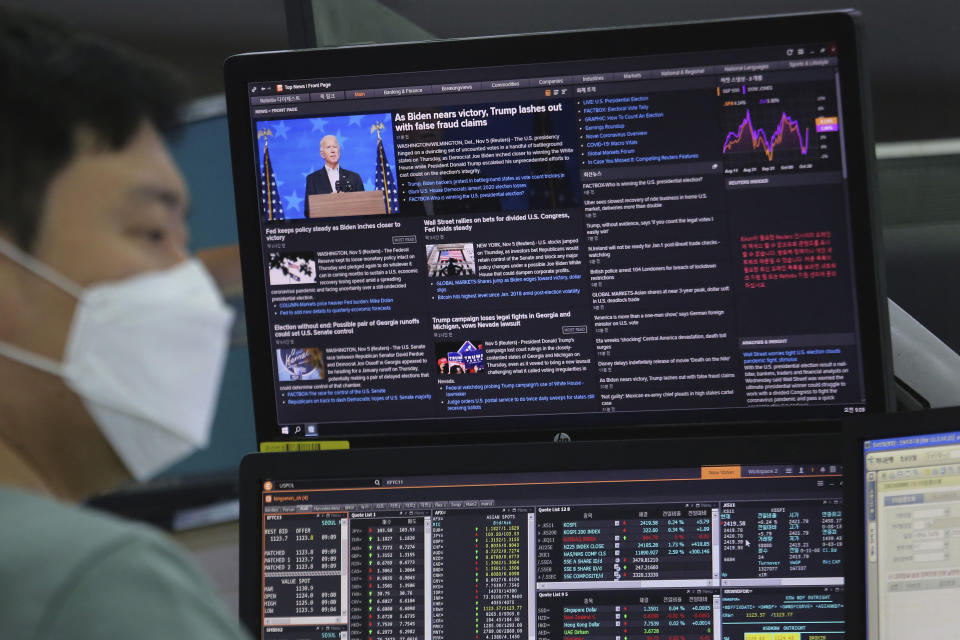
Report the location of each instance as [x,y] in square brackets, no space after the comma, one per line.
[751,552]
[913,529]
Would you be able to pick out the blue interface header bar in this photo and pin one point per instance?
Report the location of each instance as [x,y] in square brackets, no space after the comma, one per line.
[911,442]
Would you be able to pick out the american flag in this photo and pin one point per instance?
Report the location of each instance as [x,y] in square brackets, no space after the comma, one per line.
[384,180]
[269,196]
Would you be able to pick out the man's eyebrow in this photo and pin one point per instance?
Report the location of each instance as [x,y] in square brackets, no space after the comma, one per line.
[170,198]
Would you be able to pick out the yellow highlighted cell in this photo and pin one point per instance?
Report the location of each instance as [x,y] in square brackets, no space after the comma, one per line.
[313,445]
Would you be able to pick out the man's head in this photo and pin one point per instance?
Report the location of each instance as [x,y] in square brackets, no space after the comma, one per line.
[73,95]
[90,190]
[330,150]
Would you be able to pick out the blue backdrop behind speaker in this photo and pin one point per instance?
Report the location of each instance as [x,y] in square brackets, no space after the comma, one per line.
[295,152]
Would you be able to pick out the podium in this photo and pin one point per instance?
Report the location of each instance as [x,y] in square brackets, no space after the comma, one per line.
[352,203]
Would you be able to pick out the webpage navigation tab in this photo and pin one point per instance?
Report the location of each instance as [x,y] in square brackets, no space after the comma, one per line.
[683,72]
[811,63]
[597,77]
[550,82]
[326,95]
[363,93]
[522,83]
[286,98]
[749,67]
[408,91]
[457,87]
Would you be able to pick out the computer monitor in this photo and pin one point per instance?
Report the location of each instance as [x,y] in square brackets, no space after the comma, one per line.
[687,539]
[601,228]
[907,541]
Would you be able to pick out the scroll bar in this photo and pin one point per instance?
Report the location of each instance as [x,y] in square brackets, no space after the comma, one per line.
[872,515]
[345,569]
[427,578]
[840,133]
[717,618]
[531,576]
[715,544]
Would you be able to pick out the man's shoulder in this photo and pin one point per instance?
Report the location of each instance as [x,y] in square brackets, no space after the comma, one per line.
[352,174]
[39,519]
[67,567]
[316,174]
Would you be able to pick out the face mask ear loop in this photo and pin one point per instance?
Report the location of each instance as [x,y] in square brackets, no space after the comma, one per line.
[31,359]
[49,274]
[55,278]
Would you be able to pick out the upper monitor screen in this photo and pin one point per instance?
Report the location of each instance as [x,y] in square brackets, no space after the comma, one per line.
[912,533]
[647,239]
[736,552]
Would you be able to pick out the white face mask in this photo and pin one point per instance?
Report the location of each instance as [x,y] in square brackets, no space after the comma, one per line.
[145,354]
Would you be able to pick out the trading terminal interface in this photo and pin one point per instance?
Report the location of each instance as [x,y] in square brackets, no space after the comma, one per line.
[739,552]
[912,497]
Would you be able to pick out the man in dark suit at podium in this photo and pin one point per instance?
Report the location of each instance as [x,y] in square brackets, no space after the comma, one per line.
[332,178]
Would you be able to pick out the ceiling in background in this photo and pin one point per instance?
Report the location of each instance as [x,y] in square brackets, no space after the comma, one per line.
[195,36]
[913,48]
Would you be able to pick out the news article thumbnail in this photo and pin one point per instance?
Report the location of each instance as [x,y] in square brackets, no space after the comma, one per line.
[454,358]
[450,260]
[293,155]
[508,156]
[301,364]
[292,268]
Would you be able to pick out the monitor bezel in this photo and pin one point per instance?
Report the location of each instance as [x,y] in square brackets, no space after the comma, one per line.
[498,458]
[840,26]
[855,432]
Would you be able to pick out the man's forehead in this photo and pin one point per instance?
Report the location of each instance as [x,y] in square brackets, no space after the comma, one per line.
[143,171]
[150,180]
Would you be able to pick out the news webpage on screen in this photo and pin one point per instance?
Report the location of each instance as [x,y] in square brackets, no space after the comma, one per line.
[660,236]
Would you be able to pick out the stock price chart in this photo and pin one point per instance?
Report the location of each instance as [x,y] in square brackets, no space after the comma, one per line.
[778,126]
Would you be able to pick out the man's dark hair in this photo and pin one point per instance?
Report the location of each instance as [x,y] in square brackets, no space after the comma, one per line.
[55,84]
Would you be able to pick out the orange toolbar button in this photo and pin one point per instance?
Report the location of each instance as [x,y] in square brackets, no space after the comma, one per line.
[712,473]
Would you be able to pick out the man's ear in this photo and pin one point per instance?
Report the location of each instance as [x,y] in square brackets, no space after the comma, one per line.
[11,295]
